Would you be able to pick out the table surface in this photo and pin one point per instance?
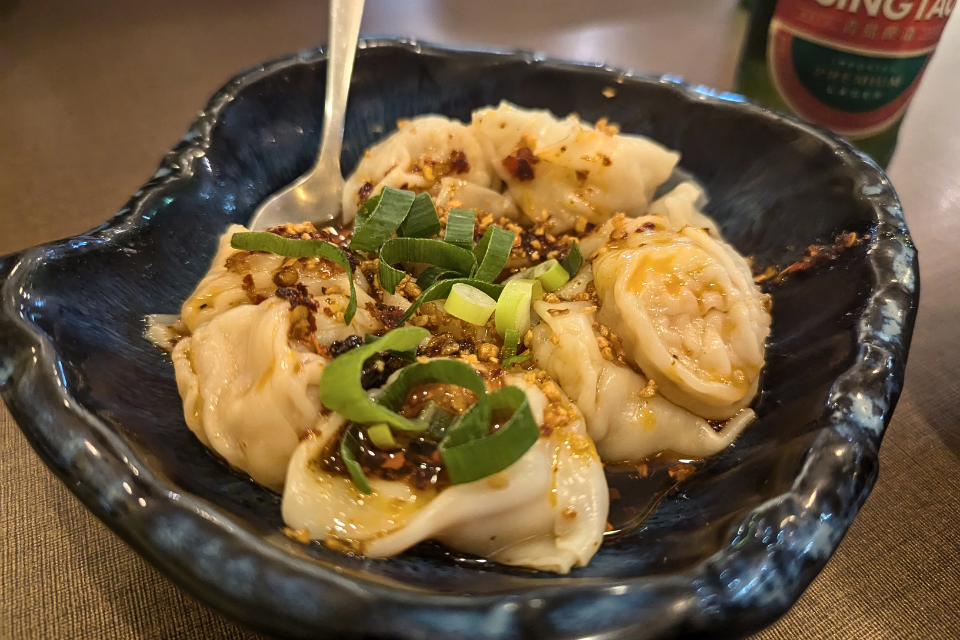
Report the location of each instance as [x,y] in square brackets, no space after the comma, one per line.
[93,94]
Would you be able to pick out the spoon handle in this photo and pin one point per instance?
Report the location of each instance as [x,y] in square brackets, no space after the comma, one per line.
[345,18]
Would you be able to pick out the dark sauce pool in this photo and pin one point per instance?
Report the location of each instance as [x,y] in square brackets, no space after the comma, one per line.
[636,488]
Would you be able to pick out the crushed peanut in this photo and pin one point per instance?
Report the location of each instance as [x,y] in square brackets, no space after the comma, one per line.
[649,390]
[603,126]
[488,352]
[551,391]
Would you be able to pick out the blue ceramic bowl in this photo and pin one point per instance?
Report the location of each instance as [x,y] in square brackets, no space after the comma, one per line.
[724,553]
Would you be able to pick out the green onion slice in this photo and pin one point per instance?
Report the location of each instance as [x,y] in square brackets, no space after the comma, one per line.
[432,274]
[574,260]
[527,274]
[341,391]
[469,304]
[460,223]
[438,419]
[290,248]
[469,458]
[511,339]
[381,435]
[422,250]
[492,252]
[513,307]
[363,213]
[509,362]
[439,370]
[410,355]
[441,289]
[376,228]
[348,453]
[551,275]
[422,220]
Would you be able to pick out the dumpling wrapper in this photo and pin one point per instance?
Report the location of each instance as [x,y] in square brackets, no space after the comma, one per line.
[688,312]
[547,511]
[467,195]
[681,207]
[416,156]
[247,394]
[223,289]
[577,170]
[624,423]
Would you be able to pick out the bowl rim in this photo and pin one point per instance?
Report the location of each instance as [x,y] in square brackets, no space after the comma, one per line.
[93,460]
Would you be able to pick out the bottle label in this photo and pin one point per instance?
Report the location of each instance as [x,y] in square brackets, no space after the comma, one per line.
[853,65]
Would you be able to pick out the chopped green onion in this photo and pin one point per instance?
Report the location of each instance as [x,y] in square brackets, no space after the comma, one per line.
[513,307]
[390,277]
[377,227]
[441,289]
[460,224]
[348,453]
[511,339]
[439,370]
[574,260]
[291,248]
[407,354]
[341,391]
[469,451]
[527,274]
[492,252]
[551,275]
[537,292]
[472,424]
[381,435]
[363,213]
[509,362]
[478,457]
[438,419]
[469,304]
[448,371]
[422,250]
[422,220]
[432,274]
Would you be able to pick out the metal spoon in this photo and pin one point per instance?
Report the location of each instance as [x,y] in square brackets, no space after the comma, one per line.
[315,195]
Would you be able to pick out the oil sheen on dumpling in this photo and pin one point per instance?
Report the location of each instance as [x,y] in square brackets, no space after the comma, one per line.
[627,419]
[247,393]
[688,312]
[416,156]
[568,168]
[547,511]
[242,277]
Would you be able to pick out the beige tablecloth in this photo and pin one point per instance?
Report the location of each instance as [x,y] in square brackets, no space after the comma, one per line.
[92,94]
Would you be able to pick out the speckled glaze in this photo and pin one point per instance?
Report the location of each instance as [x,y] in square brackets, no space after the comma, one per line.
[723,554]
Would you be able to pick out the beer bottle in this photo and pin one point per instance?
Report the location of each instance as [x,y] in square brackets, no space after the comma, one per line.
[849,65]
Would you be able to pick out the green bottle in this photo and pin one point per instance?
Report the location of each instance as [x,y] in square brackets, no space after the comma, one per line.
[849,65]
